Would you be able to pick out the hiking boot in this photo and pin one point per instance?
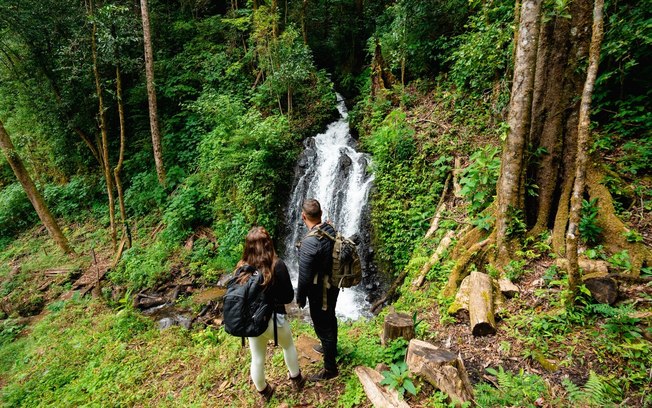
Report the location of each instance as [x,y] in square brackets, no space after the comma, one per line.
[318,348]
[323,375]
[267,393]
[298,382]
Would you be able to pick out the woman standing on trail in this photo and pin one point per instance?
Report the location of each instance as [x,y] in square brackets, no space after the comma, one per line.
[259,253]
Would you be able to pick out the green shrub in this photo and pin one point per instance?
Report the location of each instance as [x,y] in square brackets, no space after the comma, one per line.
[9,330]
[589,229]
[16,211]
[145,194]
[407,187]
[73,200]
[479,178]
[142,267]
[484,51]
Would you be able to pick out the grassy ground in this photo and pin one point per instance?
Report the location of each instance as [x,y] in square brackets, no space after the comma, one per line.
[100,352]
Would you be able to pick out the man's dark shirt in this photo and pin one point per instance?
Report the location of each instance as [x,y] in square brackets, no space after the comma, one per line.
[315,258]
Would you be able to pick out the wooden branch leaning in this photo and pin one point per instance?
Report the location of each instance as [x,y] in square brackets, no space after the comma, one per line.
[441,368]
[380,397]
[434,259]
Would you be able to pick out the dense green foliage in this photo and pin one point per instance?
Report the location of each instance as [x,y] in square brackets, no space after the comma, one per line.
[238,90]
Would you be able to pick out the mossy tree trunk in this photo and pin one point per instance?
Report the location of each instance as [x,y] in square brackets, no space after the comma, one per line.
[33,194]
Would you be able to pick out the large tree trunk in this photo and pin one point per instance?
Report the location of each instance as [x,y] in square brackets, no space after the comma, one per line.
[151,94]
[32,193]
[582,154]
[509,189]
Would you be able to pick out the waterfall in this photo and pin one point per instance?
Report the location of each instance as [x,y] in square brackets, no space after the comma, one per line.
[334,173]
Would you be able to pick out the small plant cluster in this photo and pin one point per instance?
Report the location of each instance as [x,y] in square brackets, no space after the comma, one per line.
[478,181]
[398,375]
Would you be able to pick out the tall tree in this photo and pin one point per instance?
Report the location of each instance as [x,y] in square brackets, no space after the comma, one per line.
[151,94]
[539,181]
[32,193]
[104,141]
[509,189]
[582,147]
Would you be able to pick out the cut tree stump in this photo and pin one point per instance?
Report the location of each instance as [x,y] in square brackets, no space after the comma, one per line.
[441,368]
[508,288]
[481,304]
[380,397]
[397,325]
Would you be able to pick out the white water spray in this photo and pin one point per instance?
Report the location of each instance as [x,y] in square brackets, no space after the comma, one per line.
[335,174]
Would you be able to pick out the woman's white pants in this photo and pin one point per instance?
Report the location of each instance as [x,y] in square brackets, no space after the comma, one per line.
[258,347]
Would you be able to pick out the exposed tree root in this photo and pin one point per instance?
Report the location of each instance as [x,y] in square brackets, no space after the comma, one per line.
[460,271]
[615,231]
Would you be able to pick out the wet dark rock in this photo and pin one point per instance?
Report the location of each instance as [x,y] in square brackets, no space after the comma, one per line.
[345,162]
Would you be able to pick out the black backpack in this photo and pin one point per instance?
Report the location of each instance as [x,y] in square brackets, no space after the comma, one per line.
[245,312]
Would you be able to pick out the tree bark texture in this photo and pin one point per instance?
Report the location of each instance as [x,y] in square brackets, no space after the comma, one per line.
[441,368]
[509,186]
[582,150]
[397,325]
[380,397]
[32,193]
[481,304]
[151,94]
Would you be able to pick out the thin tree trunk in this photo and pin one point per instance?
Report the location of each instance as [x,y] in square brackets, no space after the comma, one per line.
[151,94]
[304,31]
[582,146]
[274,18]
[509,183]
[118,167]
[32,193]
[104,143]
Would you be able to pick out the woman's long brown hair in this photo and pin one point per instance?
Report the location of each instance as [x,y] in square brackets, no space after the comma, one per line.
[259,253]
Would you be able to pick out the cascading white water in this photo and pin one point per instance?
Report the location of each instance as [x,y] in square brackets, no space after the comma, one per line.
[334,174]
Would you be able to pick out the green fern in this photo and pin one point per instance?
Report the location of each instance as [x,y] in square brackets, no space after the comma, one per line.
[521,389]
[597,392]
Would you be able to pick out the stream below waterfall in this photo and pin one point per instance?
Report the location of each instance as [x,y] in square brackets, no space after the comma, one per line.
[333,172]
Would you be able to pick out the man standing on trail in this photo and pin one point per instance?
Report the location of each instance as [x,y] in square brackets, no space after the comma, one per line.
[316,262]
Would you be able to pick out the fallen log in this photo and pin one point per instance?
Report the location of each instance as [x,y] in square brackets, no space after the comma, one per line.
[379,396]
[441,207]
[397,325]
[588,266]
[441,368]
[481,306]
[434,259]
[55,272]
